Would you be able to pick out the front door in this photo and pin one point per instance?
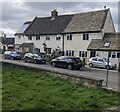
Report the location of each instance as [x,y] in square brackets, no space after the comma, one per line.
[92,54]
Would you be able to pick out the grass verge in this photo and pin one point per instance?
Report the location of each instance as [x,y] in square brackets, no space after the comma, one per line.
[33,90]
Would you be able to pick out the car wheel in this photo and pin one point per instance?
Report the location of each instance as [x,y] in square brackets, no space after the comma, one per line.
[35,61]
[12,58]
[69,67]
[54,64]
[107,67]
[90,65]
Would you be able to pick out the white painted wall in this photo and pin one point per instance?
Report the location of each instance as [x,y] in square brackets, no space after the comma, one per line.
[78,44]
[52,43]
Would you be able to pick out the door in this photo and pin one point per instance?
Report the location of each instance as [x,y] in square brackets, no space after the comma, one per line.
[92,54]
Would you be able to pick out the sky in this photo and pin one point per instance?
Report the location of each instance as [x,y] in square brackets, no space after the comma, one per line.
[15,13]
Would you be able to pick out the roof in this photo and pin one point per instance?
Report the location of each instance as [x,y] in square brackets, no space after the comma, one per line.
[26,45]
[112,38]
[82,22]
[87,22]
[47,25]
[23,28]
[8,41]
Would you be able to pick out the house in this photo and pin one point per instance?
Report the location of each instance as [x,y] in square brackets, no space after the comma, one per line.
[70,33]
[109,43]
[6,43]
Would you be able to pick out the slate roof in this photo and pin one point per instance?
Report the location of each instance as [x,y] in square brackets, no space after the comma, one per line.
[47,25]
[112,38]
[23,28]
[82,22]
[8,41]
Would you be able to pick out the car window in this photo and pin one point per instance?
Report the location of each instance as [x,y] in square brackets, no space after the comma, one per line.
[13,52]
[77,59]
[94,59]
[7,52]
[101,60]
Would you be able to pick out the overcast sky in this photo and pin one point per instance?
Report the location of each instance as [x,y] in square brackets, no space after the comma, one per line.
[15,13]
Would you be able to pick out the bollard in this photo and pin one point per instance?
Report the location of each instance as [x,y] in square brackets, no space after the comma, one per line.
[83,64]
[119,67]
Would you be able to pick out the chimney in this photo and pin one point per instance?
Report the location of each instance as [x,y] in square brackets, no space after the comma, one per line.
[54,14]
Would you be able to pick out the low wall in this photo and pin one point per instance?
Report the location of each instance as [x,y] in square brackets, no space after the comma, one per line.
[82,80]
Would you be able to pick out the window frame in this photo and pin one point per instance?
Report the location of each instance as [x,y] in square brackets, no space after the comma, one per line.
[85,36]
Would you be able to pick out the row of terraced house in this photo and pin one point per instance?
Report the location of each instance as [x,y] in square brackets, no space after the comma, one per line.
[83,35]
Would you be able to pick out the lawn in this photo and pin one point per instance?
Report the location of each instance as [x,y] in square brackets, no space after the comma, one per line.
[30,89]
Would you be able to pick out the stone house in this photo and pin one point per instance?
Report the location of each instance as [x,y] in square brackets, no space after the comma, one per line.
[71,33]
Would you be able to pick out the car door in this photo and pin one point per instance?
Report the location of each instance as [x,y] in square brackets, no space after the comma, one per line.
[100,63]
[63,62]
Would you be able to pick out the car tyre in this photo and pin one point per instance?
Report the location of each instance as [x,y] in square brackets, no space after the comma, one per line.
[35,61]
[53,64]
[107,66]
[12,58]
[90,65]
[70,67]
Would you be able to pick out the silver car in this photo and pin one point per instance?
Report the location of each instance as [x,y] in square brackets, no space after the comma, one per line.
[100,62]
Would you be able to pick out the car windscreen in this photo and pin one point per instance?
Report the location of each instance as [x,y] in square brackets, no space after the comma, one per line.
[13,52]
[77,59]
[36,55]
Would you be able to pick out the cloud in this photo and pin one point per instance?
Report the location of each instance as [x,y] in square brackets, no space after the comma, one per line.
[15,13]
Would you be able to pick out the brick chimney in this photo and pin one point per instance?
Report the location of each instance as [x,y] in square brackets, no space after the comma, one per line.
[54,14]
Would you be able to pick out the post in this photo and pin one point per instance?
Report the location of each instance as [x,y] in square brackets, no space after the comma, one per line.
[107,70]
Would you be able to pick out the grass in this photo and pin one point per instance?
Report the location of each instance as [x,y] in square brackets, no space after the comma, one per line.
[30,89]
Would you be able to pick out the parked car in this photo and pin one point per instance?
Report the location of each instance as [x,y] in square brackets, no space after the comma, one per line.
[12,55]
[101,62]
[68,62]
[34,58]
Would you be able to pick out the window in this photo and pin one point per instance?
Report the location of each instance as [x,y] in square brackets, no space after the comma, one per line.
[107,44]
[58,37]
[38,37]
[69,37]
[19,36]
[48,50]
[47,37]
[29,37]
[118,55]
[113,54]
[82,53]
[85,36]
[69,53]
[37,50]
[94,59]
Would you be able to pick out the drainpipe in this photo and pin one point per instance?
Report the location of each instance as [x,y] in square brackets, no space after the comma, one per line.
[63,46]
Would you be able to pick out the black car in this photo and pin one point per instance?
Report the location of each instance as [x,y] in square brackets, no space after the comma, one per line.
[34,58]
[68,62]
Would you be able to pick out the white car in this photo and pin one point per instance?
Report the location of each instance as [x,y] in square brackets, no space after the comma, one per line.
[100,62]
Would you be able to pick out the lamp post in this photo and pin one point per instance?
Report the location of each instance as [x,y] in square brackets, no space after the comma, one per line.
[107,69]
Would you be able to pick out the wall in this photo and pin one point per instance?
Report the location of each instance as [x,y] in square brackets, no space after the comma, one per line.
[109,26]
[52,43]
[78,44]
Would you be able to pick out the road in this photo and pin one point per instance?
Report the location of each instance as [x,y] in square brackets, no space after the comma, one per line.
[113,81]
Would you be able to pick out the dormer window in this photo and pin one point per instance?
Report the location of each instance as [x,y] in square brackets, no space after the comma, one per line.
[85,36]
[69,36]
